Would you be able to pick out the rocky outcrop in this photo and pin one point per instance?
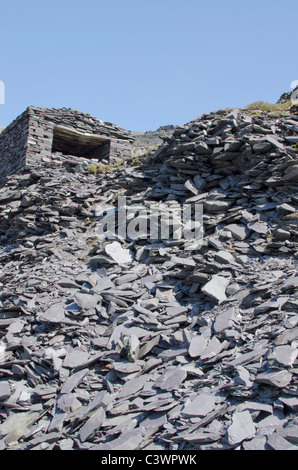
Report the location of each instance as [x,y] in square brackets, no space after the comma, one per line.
[290,96]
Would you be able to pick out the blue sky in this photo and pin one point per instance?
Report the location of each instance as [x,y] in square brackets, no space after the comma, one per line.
[142,64]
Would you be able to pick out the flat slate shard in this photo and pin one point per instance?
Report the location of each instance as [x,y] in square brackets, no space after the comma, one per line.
[4,390]
[197,346]
[290,433]
[55,314]
[277,303]
[286,355]
[213,348]
[279,379]
[119,254]
[216,288]
[277,442]
[201,406]
[171,380]
[224,321]
[243,377]
[202,437]
[133,386]
[92,424]
[240,232]
[291,402]
[129,440]
[75,359]
[126,367]
[68,403]
[214,206]
[224,257]
[86,301]
[73,381]
[242,428]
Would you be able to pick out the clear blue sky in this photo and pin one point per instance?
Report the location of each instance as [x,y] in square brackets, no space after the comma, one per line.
[141,64]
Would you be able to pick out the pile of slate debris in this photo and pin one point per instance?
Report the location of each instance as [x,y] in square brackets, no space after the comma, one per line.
[151,344]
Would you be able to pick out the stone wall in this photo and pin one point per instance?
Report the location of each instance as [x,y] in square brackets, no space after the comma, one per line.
[43,121]
[13,146]
[30,137]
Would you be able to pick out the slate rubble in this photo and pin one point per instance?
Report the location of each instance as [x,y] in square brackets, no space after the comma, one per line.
[147,344]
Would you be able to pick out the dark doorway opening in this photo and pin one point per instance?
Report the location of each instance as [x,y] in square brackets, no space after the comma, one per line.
[72,142]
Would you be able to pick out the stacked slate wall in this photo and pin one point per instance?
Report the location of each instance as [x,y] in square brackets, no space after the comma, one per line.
[13,146]
[30,137]
[43,121]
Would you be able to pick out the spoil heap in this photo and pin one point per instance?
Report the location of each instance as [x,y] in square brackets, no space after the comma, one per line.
[155,344]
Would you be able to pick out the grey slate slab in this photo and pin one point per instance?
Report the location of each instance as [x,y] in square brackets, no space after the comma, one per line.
[242,428]
[280,378]
[197,346]
[133,386]
[171,380]
[129,440]
[277,442]
[55,314]
[286,355]
[73,381]
[4,390]
[201,406]
[216,288]
[92,424]
[75,358]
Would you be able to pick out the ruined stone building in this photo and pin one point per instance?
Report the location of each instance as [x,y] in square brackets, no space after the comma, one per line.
[44,132]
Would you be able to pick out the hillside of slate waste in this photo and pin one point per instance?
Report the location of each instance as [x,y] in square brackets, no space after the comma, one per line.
[142,343]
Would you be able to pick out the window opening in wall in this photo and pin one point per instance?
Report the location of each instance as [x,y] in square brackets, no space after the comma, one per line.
[72,142]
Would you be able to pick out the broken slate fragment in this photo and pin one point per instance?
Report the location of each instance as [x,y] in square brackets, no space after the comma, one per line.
[242,428]
[87,301]
[216,288]
[75,359]
[243,377]
[133,386]
[171,380]
[197,346]
[214,206]
[117,253]
[286,355]
[224,257]
[224,321]
[277,442]
[92,424]
[129,440]
[240,232]
[55,314]
[213,348]
[126,367]
[291,402]
[73,381]
[279,379]
[4,390]
[68,403]
[201,406]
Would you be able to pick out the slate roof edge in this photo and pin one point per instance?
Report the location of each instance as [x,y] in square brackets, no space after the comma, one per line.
[126,134]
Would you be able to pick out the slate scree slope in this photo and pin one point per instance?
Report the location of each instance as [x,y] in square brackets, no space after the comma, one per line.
[141,343]
[46,131]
